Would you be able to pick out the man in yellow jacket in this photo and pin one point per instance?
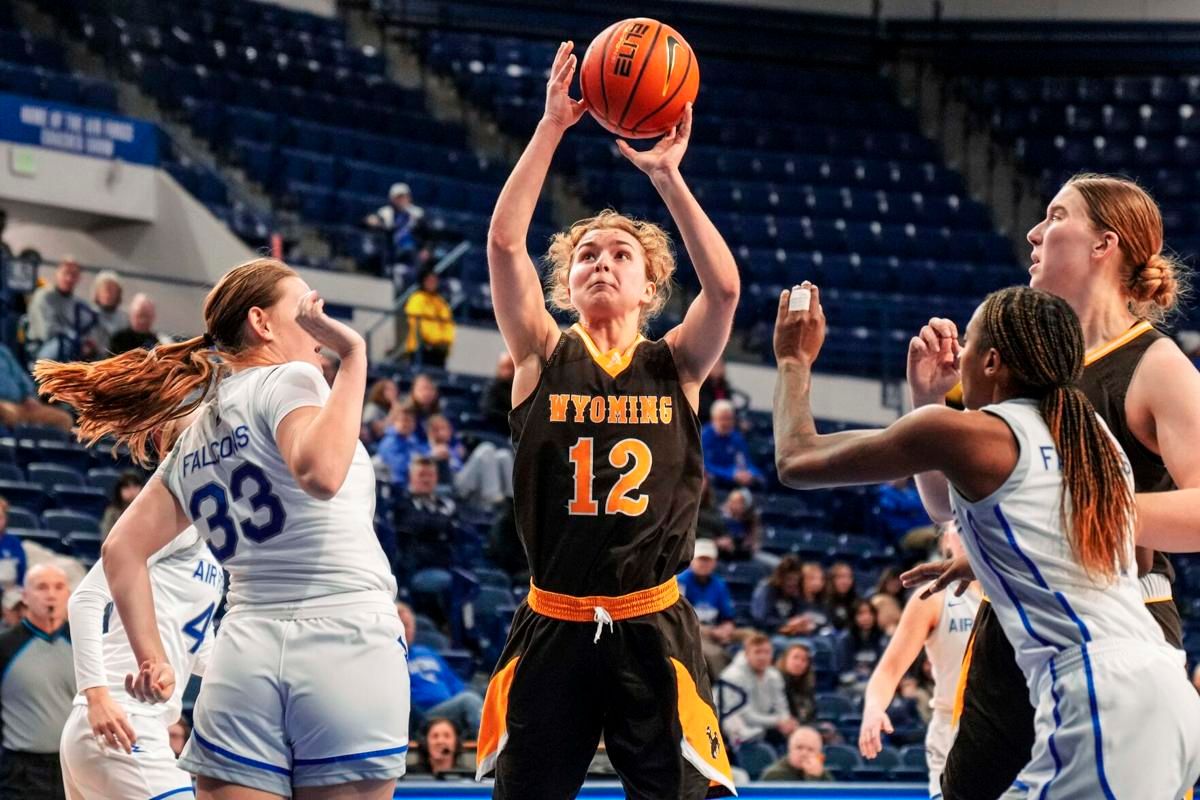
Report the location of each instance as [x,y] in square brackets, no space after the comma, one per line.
[430,323]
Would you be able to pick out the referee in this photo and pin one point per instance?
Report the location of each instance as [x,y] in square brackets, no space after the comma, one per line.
[37,685]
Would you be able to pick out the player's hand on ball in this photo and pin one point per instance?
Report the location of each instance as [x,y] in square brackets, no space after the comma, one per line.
[108,722]
[933,361]
[329,332]
[942,573]
[667,153]
[560,108]
[154,682]
[799,333]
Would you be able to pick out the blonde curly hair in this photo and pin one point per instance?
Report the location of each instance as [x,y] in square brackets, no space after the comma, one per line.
[656,248]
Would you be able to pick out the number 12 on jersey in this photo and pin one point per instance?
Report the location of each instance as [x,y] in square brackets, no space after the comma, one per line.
[621,499]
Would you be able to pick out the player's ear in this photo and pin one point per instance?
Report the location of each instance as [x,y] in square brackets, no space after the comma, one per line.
[992,362]
[259,322]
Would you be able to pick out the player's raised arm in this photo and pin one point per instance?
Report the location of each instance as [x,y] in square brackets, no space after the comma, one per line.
[701,338]
[517,296]
[932,439]
[932,371]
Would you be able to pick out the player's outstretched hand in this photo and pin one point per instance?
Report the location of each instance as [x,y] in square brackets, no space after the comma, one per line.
[942,573]
[799,334]
[870,735]
[329,332]
[933,361]
[154,682]
[108,721]
[667,152]
[560,108]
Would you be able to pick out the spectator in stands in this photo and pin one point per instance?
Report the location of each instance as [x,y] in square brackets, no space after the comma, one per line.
[140,332]
[426,400]
[400,442]
[887,612]
[777,604]
[714,388]
[430,323]
[124,491]
[841,594]
[179,731]
[726,454]
[889,583]
[864,637]
[12,608]
[743,526]
[425,519]
[380,398]
[765,713]
[402,219]
[709,596]
[55,314]
[12,554]
[440,748]
[496,402]
[805,759]
[106,304]
[486,479]
[19,403]
[812,593]
[437,691]
[444,448]
[330,364]
[899,509]
[799,681]
[37,690]
[710,524]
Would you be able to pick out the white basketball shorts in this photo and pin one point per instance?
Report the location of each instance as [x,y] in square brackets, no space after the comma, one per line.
[1116,719]
[303,701]
[94,770]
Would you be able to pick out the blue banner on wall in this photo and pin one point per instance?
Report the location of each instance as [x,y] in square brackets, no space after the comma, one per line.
[71,129]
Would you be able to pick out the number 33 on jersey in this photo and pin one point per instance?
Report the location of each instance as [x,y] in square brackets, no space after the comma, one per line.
[608,468]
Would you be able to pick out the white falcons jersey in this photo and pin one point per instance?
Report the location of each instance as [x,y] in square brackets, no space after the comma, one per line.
[947,643]
[1020,553]
[187,583]
[279,544]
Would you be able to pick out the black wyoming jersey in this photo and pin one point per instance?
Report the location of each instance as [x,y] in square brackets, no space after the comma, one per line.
[608,469]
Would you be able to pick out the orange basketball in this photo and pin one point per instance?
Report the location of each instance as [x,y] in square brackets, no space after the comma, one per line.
[637,76]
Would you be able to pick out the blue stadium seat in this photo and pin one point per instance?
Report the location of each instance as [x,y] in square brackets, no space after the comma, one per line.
[49,475]
[841,760]
[19,517]
[65,521]
[27,495]
[84,545]
[104,478]
[755,757]
[46,538]
[84,499]
[11,472]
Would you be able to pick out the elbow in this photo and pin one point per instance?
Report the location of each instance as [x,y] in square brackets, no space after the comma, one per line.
[321,486]
[795,471]
[503,243]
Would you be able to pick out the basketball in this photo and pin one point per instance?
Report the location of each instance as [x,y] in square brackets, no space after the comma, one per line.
[637,77]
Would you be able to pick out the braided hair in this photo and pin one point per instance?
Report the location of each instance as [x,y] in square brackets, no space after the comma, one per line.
[1040,340]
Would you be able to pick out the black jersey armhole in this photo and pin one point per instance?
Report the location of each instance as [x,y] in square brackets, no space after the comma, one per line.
[521,411]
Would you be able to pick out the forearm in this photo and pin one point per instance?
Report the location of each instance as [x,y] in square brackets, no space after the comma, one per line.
[518,199]
[326,448]
[881,688]
[85,610]
[932,486]
[1168,521]
[707,249]
[129,581]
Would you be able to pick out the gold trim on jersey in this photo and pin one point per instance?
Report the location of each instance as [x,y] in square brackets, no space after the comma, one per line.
[954,397]
[614,362]
[1100,351]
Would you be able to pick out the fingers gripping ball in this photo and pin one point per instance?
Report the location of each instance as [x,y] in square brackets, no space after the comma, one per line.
[637,76]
